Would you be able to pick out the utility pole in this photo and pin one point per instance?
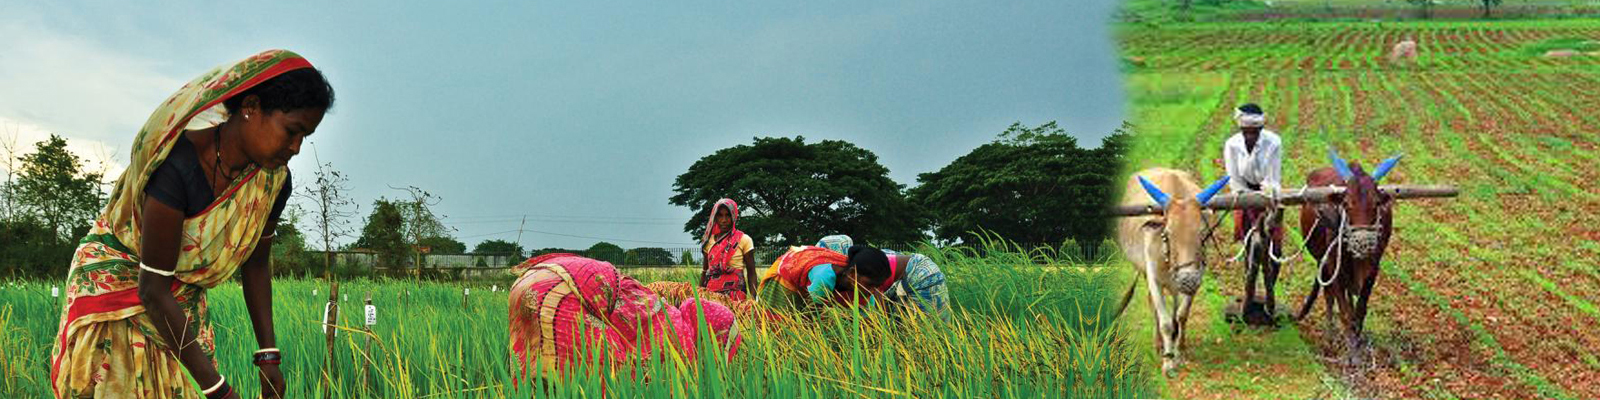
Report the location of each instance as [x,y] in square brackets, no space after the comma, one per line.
[519,232]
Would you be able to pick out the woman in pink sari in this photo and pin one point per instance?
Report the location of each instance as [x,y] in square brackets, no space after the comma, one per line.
[730,263]
[563,303]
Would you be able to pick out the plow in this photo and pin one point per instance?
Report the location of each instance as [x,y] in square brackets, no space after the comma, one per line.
[1260,257]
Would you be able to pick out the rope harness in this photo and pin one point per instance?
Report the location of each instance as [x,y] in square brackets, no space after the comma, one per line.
[1338,242]
[1362,240]
[1185,280]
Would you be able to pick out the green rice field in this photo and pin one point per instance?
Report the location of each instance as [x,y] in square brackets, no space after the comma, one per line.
[1024,326]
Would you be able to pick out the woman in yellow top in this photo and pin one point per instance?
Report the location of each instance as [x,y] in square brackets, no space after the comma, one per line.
[730,265]
[195,206]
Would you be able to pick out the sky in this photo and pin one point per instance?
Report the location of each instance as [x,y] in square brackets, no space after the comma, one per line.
[577,116]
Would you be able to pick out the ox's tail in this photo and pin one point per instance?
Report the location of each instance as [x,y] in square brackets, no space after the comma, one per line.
[1126,297]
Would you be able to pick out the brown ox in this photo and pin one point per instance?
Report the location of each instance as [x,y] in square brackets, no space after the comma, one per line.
[1165,248]
[1347,236]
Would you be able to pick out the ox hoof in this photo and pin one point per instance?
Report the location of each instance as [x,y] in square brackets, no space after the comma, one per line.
[1254,313]
[1169,365]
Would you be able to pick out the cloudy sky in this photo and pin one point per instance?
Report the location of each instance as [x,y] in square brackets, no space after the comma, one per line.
[576,115]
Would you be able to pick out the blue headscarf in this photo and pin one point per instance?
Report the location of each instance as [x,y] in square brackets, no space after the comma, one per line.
[837,243]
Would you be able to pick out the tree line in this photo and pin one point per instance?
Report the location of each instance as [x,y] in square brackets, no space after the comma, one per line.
[1029,185]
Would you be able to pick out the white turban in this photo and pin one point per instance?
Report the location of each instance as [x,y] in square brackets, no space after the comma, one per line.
[1248,120]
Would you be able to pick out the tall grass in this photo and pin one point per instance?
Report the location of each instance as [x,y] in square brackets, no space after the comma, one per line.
[1023,326]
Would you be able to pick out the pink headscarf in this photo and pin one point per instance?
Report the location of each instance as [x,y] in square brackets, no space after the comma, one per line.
[714,232]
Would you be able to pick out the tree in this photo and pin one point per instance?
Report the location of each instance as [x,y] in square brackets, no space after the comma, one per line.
[382,234]
[28,248]
[289,251]
[1031,185]
[443,245]
[52,187]
[648,256]
[687,258]
[553,250]
[1425,7]
[419,221]
[497,246]
[792,192]
[329,199]
[8,160]
[1488,5]
[605,252]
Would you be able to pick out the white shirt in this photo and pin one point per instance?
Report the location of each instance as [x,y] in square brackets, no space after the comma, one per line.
[1263,167]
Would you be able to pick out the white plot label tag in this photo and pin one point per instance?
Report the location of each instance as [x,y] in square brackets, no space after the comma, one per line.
[55,291]
[466,291]
[327,318]
[494,288]
[372,315]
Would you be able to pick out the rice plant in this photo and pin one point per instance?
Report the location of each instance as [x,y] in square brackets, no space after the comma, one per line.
[1025,324]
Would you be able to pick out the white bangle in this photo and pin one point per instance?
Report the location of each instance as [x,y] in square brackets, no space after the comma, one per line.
[268,350]
[153,270]
[214,388]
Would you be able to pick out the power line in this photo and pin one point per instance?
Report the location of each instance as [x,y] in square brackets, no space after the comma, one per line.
[582,237]
[593,217]
[486,234]
[515,220]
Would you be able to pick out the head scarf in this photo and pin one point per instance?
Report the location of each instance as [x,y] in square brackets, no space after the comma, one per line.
[714,232]
[839,243]
[1250,116]
[723,244]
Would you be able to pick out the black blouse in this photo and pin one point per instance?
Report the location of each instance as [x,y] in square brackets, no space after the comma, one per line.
[180,183]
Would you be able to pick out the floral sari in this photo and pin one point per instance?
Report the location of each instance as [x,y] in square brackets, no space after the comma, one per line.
[563,305]
[106,344]
[721,275]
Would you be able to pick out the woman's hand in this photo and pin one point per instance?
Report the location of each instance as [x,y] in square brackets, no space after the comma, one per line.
[272,383]
[257,279]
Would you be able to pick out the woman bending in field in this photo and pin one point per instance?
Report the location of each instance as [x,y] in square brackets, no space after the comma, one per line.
[907,279]
[194,207]
[835,269]
[563,303]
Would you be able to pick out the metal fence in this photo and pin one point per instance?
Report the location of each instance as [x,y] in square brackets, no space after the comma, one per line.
[477,265]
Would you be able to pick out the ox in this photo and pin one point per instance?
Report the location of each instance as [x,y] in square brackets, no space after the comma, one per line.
[1164,246]
[1347,235]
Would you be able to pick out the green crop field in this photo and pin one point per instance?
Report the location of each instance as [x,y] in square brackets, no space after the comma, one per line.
[1020,330]
[1488,295]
